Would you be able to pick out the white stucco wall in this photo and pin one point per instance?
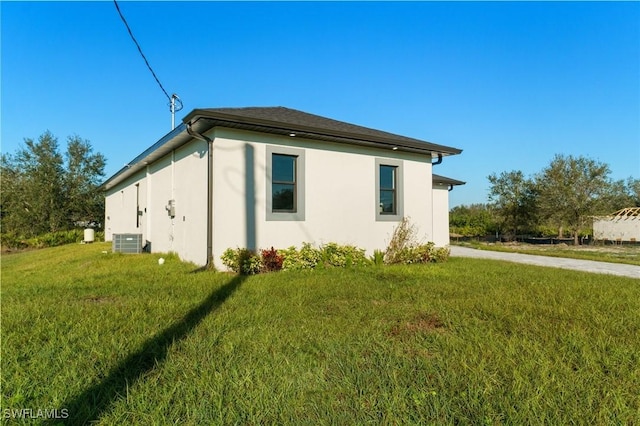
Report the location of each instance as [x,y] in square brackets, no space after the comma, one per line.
[340,194]
[340,198]
[620,228]
[120,207]
[190,195]
[180,176]
[441,215]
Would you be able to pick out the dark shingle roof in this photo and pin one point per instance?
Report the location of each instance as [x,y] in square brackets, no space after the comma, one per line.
[283,120]
[275,120]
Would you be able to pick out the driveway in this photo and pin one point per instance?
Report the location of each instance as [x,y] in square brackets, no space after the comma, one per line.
[620,269]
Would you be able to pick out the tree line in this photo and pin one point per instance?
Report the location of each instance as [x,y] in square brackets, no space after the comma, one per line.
[561,199]
[45,191]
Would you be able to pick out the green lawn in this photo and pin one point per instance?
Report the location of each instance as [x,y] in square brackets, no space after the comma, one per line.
[119,339]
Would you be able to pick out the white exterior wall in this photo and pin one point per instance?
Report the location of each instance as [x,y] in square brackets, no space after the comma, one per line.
[180,176]
[622,228]
[441,215]
[120,207]
[340,198]
[190,195]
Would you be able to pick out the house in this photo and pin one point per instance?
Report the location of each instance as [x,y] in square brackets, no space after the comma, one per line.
[621,226]
[271,176]
[441,187]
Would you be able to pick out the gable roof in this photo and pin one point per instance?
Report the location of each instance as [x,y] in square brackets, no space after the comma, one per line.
[280,121]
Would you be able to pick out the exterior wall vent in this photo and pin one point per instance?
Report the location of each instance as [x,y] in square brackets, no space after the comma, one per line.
[127,243]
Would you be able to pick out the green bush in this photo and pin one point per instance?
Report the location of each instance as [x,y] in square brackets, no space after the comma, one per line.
[423,253]
[404,249]
[248,262]
[308,257]
[12,241]
[242,261]
[440,254]
[50,239]
[343,256]
[402,242]
[378,257]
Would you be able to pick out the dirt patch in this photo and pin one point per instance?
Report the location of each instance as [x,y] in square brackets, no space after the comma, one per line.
[422,323]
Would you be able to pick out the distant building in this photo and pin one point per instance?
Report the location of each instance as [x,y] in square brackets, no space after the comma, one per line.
[621,226]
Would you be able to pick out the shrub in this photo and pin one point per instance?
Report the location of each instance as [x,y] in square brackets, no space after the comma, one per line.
[241,260]
[404,249]
[271,260]
[378,257]
[330,255]
[343,256]
[50,239]
[401,243]
[440,254]
[13,241]
[307,257]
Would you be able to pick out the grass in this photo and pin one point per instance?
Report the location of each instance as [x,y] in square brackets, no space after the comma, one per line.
[615,254]
[119,339]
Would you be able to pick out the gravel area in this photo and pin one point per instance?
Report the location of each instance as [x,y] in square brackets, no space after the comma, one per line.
[620,269]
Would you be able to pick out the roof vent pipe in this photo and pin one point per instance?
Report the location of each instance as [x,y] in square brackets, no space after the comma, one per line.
[193,133]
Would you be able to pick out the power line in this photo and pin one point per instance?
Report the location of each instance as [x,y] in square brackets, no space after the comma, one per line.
[140,50]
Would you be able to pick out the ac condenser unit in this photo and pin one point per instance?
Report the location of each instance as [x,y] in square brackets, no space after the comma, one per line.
[127,243]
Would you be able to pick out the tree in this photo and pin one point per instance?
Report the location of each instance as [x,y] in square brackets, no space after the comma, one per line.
[633,188]
[34,177]
[42,193]
[514,197]
[85,171]
[473,220]
[618,195]
[571,189]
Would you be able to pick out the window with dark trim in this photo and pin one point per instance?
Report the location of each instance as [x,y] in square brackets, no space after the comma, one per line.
[388,196]
[389,190]
[283,183]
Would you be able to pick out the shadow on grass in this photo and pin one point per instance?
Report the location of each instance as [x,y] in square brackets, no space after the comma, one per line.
[90,404]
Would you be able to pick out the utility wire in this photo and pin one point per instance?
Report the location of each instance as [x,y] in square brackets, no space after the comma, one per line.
[140,50]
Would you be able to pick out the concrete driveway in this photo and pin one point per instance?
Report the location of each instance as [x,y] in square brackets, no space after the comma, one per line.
[553,262]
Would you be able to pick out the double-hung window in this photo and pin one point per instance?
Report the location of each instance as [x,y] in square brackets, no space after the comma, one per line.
[389,189]
[285,183]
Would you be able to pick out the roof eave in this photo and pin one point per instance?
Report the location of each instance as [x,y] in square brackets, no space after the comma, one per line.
[172,140]
[204,120]
[443,180]
[275,127]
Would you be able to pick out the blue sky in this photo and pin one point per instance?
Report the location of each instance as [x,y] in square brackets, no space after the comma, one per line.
[510,83]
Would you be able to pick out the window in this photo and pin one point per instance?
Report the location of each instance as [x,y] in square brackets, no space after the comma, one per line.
[285,184]
[388,180]
[389,190]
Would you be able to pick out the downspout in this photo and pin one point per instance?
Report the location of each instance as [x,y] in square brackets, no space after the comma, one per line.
[438,161]
[193,133]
